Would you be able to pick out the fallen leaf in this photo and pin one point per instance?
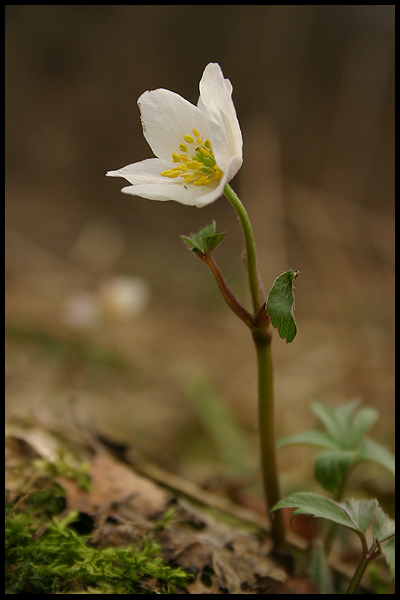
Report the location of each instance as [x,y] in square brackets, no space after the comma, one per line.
[114,482]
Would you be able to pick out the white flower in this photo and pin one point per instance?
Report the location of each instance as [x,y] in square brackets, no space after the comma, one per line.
[198,148]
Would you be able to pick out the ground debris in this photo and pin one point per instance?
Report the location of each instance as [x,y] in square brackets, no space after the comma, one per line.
[183,545]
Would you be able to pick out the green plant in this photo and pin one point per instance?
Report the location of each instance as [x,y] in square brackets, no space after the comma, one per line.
[198,151]
[344,443]
[358,516]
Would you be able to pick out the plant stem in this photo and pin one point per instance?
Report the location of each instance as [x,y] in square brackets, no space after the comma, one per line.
[227,294]
[252,270]
[333,527]
[262,341]
[266,425]
[358,575]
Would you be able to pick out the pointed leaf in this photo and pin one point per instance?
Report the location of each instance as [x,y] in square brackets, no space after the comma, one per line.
[309,438]
[280,305]
[371,450]
[388,550]
[344,413]
[330,468]
[312,504]
[205,240]
[212,241]
[327,416]
[207,230]
[192,243]
[362,422]
[361,512]
[384,527]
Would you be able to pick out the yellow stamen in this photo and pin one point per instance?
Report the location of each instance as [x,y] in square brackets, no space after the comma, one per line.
[194,165]
[197,169]
[170,173]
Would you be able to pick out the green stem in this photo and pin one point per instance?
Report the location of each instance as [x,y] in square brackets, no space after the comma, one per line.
[358,575]
[333,527]
[262,340]
[256,292]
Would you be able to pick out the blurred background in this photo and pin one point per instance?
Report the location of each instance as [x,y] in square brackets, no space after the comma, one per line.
[110,321]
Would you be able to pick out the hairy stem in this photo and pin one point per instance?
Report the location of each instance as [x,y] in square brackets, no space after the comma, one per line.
[256,292]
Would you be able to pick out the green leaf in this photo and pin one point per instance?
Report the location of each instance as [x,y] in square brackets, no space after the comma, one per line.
[330,419]
[384,532]
[388,550]
[361,512]
[309,438]
[384,527]
[205,240]
[371,450]
[331,466]
[307,503]
[362,422]
[353,514]
[345,424]
[280,305]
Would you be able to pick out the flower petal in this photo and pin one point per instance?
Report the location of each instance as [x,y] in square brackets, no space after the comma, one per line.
[216,102]
[145,171]
[166,118]
[148,183]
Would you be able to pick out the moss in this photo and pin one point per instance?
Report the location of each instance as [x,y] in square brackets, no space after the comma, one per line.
[57,559]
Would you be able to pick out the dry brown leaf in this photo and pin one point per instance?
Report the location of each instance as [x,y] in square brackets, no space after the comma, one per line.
[114,482]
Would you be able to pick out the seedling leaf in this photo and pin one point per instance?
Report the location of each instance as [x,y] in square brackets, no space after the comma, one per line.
[331,466]
[363,420]
[388,550]
[309,438]
[361,512]
[346,425]
[307,503]
[384,527]
[371,450]
[280,305]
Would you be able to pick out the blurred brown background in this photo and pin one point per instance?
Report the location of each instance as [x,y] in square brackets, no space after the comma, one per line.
[163,364]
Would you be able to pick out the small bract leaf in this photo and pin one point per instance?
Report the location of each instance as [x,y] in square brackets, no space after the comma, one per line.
[280,305]
[205,240]
[307,503]
[212,241]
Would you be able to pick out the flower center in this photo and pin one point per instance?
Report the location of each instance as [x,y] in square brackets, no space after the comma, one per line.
[197,166]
